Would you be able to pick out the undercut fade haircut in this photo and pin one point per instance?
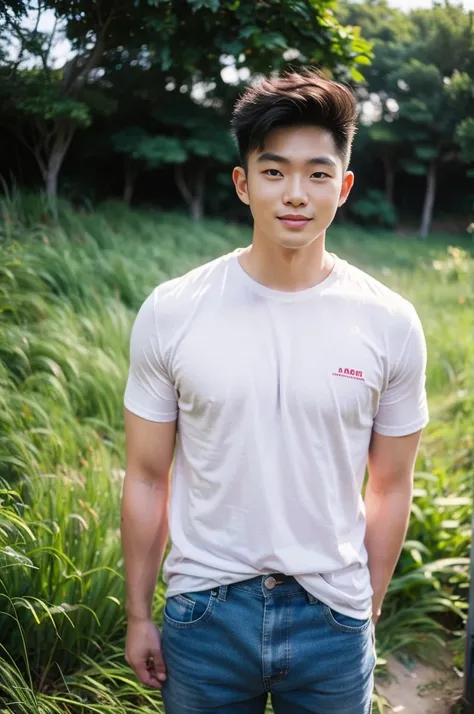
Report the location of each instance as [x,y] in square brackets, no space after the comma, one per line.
[304,98]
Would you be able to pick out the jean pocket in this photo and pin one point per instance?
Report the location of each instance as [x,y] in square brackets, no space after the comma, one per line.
[344,623]
[189,609]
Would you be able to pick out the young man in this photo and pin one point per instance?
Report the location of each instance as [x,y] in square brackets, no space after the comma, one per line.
[287,371]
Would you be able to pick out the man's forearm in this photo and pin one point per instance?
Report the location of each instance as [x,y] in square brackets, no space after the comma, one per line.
[144,531]
[387,515]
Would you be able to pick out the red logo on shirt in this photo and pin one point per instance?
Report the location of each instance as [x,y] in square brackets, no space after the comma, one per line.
[349,373]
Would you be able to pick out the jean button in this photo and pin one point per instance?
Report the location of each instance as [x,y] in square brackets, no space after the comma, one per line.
[270,582]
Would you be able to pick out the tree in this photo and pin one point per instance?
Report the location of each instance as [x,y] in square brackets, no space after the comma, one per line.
[205,137]
[159,83]
[390,31]
[179,131]
[444,48]
[43,106]
[183,37]
[142,151]
[430,107]
[418,88]
[465,138]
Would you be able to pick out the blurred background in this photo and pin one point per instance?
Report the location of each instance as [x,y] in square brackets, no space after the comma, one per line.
[115,172]
[132,100]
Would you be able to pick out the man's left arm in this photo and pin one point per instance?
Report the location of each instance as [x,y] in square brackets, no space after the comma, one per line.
[397,428]
[388,498]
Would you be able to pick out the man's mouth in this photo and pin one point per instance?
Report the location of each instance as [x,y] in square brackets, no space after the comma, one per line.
[294,221]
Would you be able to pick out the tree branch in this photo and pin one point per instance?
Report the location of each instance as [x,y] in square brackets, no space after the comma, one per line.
[76,74]
[50,43]
[37,18]
[39,160]
[20,137]
[19,34]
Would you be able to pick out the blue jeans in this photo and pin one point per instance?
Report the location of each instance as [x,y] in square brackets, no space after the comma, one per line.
[226,649]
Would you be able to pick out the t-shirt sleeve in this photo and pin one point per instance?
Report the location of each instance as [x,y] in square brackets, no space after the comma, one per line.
[403,407]
[149,391]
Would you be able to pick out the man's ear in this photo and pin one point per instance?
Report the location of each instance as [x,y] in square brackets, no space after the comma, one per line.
[347,184]
[239,178]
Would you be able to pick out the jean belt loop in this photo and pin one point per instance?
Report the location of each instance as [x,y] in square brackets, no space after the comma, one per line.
[222,593]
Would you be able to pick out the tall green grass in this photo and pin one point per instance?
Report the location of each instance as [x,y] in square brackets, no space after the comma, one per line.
[69,290]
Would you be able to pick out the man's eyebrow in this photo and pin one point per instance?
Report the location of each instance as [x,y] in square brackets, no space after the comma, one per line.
[316,160]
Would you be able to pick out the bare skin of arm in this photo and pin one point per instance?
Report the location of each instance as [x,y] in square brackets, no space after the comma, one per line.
[388,498]
[144,533]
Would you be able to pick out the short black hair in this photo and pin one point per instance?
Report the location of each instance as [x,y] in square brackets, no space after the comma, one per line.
[295,98]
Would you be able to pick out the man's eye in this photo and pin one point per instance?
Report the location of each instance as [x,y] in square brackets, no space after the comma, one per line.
[276,172]
[320,174]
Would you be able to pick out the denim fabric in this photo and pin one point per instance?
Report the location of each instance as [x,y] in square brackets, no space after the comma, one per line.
[226,649]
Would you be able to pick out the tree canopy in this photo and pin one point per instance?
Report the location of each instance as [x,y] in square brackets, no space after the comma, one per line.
[148,86]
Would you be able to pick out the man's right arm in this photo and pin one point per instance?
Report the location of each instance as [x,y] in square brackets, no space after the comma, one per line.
[144,513]
[151,412]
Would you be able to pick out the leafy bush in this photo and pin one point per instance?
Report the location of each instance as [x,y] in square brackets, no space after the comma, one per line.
[375,209]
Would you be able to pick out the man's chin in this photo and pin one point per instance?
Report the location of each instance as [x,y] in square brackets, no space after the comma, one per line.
[296,242]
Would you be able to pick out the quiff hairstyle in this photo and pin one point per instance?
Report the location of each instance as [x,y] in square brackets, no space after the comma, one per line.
[294,99]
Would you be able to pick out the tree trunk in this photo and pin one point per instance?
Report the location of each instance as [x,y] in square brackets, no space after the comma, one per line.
[389,177]
[195,202]
[128,189]
[55,160]
[197,209]
[52,182]
[131,173]
[74,79]
[428,206]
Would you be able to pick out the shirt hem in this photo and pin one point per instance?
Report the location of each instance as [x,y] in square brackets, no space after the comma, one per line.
[146,414]
[401,430]
[357,614]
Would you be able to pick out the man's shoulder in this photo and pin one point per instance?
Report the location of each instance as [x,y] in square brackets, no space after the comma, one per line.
[371,291]
[188,285]
[174,301]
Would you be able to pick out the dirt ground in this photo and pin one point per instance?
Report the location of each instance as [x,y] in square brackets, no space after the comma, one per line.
[420,689]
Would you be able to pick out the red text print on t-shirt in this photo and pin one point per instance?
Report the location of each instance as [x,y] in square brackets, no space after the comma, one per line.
[349,373]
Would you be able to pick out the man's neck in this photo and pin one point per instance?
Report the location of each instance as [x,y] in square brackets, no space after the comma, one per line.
[287,269]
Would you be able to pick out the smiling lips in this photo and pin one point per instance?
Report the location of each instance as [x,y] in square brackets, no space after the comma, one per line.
[294,220]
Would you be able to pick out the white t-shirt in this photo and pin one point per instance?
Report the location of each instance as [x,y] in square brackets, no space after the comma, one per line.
[276,395]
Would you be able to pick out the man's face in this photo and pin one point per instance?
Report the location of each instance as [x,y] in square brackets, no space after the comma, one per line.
[297,174]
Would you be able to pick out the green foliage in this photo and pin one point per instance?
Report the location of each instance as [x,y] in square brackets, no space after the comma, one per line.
[419,66]
[213,5]
[465,136]
[187,39]
[387,29]
[415,168]
[35,95]
[384,133]
[203,131]
[152,150]
[375,209]
[443,37]
[426,153]
[422,77]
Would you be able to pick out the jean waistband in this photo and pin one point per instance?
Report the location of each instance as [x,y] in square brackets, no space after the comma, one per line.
[267,585]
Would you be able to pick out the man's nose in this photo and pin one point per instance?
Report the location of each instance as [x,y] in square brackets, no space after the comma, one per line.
[295,193]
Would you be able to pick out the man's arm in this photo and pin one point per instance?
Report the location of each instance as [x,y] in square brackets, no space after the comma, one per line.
[388,498]
[144,513]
